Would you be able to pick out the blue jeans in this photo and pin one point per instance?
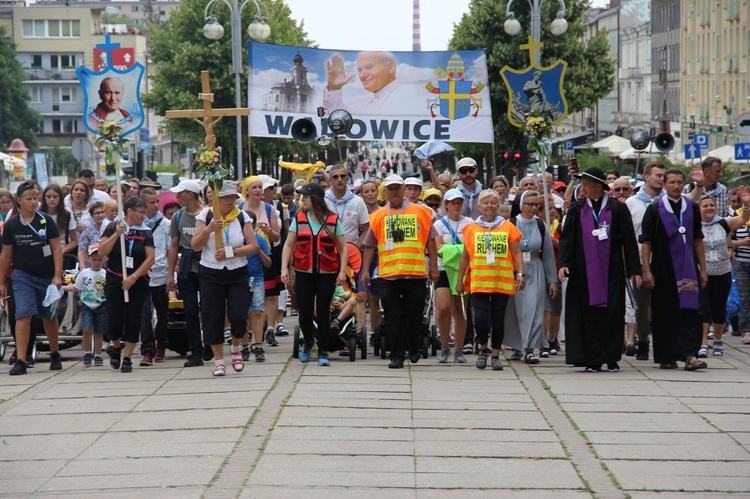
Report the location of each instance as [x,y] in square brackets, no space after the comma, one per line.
[189,287]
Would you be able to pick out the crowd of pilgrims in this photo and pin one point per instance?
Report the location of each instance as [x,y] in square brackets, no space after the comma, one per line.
[598,268]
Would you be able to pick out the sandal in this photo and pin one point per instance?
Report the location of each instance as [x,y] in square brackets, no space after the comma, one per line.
[237,363]
[344,352]
[746,339]
[693,364]
[668,365]
[530,358]
[220,370]
[703,352]
[718,348]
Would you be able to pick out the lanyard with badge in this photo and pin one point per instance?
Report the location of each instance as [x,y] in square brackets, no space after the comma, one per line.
[490,249]
[41,233]
[394,235]
[600,231]
[526,241]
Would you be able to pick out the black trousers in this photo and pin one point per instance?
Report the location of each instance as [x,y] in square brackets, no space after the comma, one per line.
[403,303]
[189,287]
[314,295]
[224,290]
[160,301]
[124,319]
[489,315]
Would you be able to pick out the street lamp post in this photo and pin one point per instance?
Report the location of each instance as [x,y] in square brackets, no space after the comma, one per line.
[558,27]
[258,30]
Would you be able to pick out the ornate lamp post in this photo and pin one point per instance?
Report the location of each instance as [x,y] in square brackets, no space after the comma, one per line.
[258,30]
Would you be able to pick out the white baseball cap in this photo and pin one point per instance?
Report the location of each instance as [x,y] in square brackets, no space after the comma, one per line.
[414,181]
[187,185]
[268,181]
[466,162]
[393,179]
[452,194]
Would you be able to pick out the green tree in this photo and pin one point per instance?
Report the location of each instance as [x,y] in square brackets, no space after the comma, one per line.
[17,119]
[181,51]
[590,73]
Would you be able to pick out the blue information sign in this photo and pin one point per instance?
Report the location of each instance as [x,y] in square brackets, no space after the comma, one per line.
[692,151]
[742,151]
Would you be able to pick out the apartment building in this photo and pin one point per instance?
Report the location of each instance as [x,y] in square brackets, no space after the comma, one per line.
[635,69]
[51,42]
[714,54]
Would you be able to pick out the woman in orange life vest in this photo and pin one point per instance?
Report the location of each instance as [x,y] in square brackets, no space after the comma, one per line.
[493,256]
[317,249]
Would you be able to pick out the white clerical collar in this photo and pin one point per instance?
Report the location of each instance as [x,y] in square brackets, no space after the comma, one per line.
[668,206]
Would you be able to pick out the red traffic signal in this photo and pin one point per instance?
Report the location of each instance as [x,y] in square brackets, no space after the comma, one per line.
[506,155]
[516,155]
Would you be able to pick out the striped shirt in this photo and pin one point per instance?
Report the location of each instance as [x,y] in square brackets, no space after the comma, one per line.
[741,253]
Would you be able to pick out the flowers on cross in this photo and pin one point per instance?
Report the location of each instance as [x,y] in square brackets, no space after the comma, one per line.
[539,130]
[208,166]
[110,139]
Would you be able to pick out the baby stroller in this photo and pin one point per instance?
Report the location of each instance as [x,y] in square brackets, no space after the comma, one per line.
[68,315]
[177,340]
[348,337]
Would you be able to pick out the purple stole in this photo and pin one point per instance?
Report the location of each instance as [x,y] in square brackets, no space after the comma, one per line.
[683,257]
[596,251]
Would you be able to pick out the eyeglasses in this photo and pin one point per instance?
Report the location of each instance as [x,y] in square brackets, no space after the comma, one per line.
[141,212]
[621,189]
[533,205]
[464,171]
[338,177]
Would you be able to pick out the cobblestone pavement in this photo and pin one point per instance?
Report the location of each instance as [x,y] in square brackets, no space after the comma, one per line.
[283,429]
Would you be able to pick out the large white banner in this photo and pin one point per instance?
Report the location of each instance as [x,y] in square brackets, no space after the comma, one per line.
[398,96]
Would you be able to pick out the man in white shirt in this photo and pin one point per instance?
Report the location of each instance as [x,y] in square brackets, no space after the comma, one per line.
[159,226]
[652,190]
[559,202]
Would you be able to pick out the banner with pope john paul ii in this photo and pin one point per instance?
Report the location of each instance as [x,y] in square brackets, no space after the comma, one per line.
[399,96]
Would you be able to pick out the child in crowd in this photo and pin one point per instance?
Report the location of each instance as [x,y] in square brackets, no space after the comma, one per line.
[255,264]
[90,284]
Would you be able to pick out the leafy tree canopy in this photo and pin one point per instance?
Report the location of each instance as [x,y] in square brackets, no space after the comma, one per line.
[17,119]
[590,73]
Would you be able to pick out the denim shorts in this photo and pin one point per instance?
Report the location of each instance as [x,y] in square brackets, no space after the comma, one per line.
[94,319]
[29,292]
[259,296]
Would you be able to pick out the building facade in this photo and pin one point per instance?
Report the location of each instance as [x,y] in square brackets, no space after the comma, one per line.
[635,68]
[665,67]
[714,65]
[52,41]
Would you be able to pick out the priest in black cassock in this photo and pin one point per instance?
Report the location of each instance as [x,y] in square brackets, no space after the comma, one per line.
[597,233]
[674,265]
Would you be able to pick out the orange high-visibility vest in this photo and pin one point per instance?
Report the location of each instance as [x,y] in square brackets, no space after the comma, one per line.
[407,256]
[496,277]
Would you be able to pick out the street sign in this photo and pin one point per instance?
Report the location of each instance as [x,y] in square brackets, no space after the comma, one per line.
[701,140]
[743,124]
[144,139]
[82,149]
[568,146]
[692,151]
[742,151]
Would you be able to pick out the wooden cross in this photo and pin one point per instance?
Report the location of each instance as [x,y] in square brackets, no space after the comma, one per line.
[532,47]
[207,113]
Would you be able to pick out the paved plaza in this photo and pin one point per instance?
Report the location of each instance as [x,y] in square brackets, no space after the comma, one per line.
[358,429]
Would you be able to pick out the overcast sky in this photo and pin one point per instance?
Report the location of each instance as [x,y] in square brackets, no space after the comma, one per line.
[380,24]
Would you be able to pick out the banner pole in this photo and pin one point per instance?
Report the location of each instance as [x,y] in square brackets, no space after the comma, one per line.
[121,216]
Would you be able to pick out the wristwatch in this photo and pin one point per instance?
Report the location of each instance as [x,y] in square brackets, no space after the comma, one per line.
[520,274]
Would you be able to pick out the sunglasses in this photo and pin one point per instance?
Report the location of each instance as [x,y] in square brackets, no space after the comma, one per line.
[338,177]
[464,171]
[621,189]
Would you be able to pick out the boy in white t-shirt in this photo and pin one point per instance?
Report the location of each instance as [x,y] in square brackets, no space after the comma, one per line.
[90,286]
